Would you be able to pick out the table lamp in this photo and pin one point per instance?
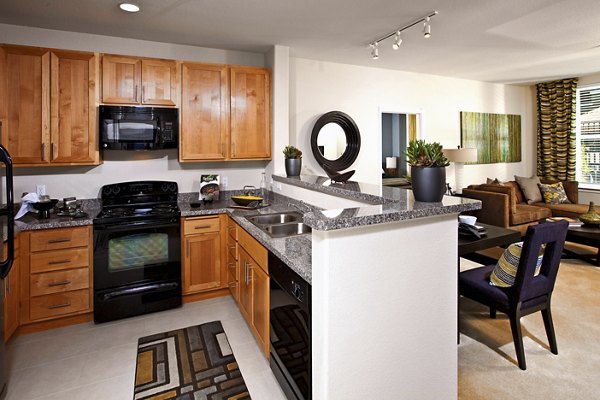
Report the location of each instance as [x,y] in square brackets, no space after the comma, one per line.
[459,157]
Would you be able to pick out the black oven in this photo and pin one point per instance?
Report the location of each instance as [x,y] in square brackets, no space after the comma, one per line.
[137,252]
[290,330]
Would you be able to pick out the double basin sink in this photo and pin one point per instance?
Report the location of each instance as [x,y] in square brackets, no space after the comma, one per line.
[280,224]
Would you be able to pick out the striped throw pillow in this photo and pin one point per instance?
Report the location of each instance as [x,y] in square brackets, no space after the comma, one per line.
[505,271]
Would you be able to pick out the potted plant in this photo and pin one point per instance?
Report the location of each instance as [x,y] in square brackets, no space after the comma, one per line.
[428,170]
[293,160]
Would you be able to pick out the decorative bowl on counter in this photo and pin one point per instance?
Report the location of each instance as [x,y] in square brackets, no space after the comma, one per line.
[44,207]
[591,217]
[245,200]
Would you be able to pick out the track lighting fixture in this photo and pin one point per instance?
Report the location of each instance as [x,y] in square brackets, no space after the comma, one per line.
[375,50]
[426,28]
[397,41]
[374,45]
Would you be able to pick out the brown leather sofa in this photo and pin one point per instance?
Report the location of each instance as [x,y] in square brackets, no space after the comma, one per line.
[505,205]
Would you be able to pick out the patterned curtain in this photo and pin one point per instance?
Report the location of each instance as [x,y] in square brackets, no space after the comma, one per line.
[556,140]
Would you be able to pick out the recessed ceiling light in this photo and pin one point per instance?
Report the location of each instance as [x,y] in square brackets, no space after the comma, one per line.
[129,7]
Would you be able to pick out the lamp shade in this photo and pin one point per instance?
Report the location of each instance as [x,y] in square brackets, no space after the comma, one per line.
[461,155]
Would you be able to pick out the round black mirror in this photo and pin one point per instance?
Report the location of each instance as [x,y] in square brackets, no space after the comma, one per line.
[335,140]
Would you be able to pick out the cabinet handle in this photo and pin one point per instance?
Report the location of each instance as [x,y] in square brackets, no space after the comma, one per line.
[233,150]
[222,149]
[52,152]
[202,227]
[231,285]
[59,240]
[230,227]
[55,262]
[231,265]
[52,307]
[186,249]
[62,283]
[143,99]
[135,93]
[231,246]
[43,151]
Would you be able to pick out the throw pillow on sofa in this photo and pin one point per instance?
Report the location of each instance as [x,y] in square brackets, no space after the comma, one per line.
[529,187]
[505,271]
[554,193]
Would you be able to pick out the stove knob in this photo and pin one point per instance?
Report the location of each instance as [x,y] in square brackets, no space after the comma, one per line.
[164,187]
[116,190]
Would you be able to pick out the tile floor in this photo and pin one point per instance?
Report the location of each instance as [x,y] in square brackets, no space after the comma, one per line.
[90,362]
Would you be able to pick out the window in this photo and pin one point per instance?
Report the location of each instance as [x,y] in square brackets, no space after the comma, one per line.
[588,137]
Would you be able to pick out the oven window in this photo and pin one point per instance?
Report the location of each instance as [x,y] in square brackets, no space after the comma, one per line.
[129,130]
[137,251]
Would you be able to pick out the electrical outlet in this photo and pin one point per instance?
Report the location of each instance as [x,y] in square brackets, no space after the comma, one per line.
[224,182]
[40,190]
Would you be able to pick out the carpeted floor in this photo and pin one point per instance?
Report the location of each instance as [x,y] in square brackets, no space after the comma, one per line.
[487,367]
[187,364]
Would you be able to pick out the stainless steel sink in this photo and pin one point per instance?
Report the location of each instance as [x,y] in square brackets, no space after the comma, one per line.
[278,218]
[283,230]
[280,224]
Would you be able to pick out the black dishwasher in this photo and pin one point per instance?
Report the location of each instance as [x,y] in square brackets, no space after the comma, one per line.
[290,325]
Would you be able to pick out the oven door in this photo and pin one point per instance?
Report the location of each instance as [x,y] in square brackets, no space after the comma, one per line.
[136,253]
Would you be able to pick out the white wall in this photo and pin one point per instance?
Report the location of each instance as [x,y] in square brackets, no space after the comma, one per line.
[317,87]
[85,182]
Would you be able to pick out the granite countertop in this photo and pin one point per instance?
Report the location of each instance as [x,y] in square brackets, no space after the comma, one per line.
[385,204]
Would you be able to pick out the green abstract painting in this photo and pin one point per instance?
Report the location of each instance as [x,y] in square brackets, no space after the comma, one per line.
[497,137]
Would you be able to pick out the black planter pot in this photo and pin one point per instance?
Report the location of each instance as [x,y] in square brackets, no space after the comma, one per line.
[428,184]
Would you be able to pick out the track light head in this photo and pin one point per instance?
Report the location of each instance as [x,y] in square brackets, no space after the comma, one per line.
[375,50]
[397,41]
[426,28]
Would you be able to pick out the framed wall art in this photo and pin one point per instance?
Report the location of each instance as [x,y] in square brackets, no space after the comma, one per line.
[497,137]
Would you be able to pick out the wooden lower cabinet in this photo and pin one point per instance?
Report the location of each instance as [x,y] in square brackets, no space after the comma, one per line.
[11,295]
[254,287]
[56,274]
[202,251]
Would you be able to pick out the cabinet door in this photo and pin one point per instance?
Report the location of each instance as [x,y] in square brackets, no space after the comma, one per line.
[24,73]
[204,112]
[260,299]
[202,263]
[11,301]
[73,137]
[245,285]
[159,82]
[250,113]
[121,79]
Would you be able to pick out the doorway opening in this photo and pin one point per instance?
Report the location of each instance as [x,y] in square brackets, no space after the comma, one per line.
[397,130]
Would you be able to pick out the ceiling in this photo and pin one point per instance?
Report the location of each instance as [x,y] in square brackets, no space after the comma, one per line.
[509,41]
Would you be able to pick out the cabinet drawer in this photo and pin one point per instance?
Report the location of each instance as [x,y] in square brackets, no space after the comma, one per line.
[232,247]
[56,304]
[59,281]
[59,259]
[53,239]
[232,229]
[253,248]
[201,225]
[232,266]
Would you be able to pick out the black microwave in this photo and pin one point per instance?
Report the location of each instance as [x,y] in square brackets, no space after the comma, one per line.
[138,128]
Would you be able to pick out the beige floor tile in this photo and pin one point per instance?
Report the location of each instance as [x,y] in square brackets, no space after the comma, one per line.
[97,361]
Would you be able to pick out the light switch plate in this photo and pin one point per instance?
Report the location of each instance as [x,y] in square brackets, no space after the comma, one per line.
[40,190]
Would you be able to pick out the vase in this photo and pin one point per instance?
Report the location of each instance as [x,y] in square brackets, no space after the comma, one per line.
[591,217]
[428,183]
[293,166]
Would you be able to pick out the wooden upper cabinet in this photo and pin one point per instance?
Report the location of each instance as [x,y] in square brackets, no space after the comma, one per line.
[204,112]
[132,80]
[24,83]
[159,82]
[250,113]
[73,137]
[120,79]
[48,106]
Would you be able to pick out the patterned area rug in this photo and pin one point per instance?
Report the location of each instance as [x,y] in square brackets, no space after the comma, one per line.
[188,364]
